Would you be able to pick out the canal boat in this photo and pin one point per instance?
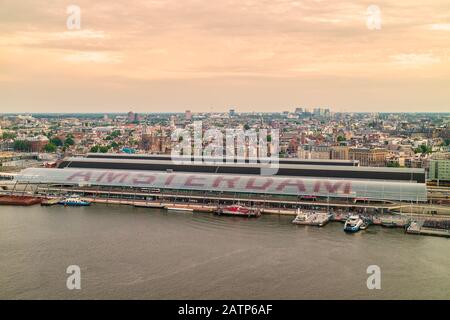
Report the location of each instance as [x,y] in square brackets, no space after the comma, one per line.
[311,218]
[353,224]
[237,210]
[179,209]
[74,201]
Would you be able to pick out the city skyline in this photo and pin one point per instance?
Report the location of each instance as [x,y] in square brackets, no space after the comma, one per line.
[255,56]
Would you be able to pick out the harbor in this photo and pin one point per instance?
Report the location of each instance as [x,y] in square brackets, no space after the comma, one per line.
[426,225]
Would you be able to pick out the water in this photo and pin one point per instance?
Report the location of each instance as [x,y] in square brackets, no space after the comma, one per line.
[134,253]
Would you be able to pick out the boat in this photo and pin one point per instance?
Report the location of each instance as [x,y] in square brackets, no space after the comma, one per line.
[237,210]
[74,202]
[179,209]
[311,218]
[149,205]
[394,222]
[50,201]
[353,224]
[19,200]
[302,216]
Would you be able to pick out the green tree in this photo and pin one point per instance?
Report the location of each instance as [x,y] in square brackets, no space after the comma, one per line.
[21,145]
[69,141]
[94,149]
[103,149]
[8,135]
[114,145]
[50,147]
[423,149]
[56,141]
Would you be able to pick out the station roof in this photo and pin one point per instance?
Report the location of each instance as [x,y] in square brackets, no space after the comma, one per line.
[281,169]
[321,187]
[93,155]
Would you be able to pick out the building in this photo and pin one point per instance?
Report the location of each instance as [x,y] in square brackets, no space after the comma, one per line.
[286,167]
[339,153]
[369,157]
[130,116]
[440,170]
[188,115]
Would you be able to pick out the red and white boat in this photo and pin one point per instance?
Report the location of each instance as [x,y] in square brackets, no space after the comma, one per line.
[237,210]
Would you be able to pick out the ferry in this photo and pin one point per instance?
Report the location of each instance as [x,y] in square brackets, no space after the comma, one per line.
[311,218]
[353,224]
[237,210]
[74,201]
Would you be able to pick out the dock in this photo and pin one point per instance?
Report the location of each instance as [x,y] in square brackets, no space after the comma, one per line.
[424,228]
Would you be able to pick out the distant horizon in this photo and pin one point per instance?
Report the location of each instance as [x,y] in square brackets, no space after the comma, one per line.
[215,112]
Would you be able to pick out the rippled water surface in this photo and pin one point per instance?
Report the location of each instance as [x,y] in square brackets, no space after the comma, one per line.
[134,253]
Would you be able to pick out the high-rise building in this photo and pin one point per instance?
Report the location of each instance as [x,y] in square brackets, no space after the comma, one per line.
[440,169]
[130,116]
[188,115]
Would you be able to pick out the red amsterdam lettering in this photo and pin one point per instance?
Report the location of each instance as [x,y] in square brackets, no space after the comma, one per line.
[190,182]
[85,175]
[231,182]
[251,184]
[169,179]
[296,183]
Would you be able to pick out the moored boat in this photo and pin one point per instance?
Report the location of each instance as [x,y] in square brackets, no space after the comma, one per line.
[19,200]
[179,209]
[353,224]
[50,201]
[74,202]
[311,218]
[237,210]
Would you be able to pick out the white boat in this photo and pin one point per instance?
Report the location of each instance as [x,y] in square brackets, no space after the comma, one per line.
[353,224]
[180,209]
[311,218]
[74,201]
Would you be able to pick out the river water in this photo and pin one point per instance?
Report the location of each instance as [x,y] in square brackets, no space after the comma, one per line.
[138,253]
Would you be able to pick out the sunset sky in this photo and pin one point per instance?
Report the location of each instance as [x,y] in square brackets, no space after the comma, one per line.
[254,55]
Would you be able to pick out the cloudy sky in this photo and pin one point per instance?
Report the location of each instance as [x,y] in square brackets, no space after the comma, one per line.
[210,55]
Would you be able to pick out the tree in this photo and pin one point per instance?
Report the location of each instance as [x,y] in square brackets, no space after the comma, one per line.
[423,149]
[341,138]
[21,145]
[114,145]
[103,149]
[8,135]
[56,141]
[69,141]
[94,149]
[393,164]
[50,147]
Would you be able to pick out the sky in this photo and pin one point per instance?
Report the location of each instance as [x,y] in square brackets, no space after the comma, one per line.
[211,55]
